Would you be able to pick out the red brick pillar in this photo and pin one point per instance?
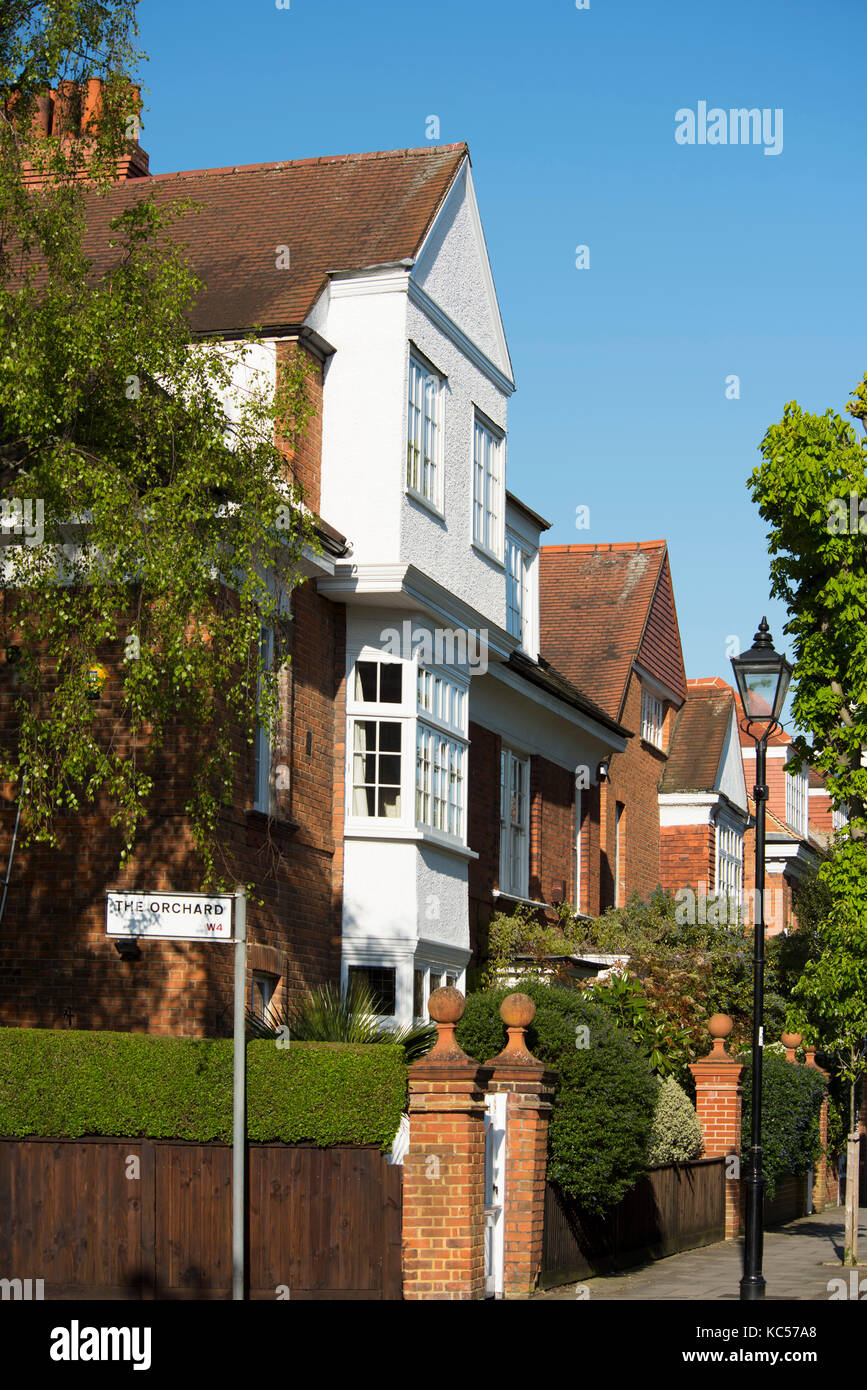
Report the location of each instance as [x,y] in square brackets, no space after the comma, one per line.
[444,1168]
[528,1086]
[821,1170]
[718,1105]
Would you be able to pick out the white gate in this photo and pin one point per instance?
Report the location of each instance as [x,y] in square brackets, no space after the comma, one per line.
[495,1188]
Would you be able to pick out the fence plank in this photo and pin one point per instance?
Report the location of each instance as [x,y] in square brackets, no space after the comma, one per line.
[677,1207]
[324,1222]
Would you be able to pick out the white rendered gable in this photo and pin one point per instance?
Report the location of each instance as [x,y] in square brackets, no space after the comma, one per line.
[453,268]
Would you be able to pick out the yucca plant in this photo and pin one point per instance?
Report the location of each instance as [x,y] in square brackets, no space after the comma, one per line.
[326,1015]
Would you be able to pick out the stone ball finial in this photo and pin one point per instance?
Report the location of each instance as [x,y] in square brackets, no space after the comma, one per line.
[719,1026]
[446,1005]
[791,1040]
[517,1011]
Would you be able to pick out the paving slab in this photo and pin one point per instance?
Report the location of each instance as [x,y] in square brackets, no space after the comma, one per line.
[800,1260]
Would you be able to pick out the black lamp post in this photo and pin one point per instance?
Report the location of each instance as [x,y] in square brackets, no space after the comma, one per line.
[762,677]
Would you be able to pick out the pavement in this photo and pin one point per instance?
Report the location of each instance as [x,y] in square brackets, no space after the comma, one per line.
[800,1260]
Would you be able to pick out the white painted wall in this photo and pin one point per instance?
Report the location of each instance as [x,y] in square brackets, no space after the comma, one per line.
[364,412]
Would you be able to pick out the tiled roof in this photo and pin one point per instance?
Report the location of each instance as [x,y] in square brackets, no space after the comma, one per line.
[602,607]
[544,675]
[698,738]
[334,213]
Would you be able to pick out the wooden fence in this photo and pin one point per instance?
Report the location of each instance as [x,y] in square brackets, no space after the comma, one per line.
[141,1219]
[677,1207]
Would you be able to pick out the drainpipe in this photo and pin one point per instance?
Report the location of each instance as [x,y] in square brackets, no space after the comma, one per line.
[12,848]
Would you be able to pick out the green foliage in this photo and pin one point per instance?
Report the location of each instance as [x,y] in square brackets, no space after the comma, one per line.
[520,932]
[605,1092]
[183,528]
[666,1046]
[326,1015]
[675,1135]
[66,1084]
[811,465]
[791,1101]
[688,971]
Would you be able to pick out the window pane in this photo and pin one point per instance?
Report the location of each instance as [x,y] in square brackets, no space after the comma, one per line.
[365,680]
[418,993]
[435,982]
[389,737]
[382,981]
[390,683]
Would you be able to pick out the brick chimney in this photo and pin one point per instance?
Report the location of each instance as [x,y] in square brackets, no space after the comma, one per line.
[69,112]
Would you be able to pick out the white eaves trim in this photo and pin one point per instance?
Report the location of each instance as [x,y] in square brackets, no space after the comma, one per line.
[687,808]
[441,320]
[528,691]
[404,586]
[656,687]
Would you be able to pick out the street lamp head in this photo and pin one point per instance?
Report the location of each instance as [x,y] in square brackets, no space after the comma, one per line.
[762,676]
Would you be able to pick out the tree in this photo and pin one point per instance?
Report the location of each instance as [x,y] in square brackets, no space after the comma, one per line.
[167,527]
[811,489]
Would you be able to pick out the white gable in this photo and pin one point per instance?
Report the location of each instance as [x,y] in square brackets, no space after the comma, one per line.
[730,774]
[454,270]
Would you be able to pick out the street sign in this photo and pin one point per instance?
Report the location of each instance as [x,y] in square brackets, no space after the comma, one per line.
[170,916]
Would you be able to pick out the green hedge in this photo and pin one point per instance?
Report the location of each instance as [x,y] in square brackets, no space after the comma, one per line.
[605,1093]
[61,1083]
[791,1101]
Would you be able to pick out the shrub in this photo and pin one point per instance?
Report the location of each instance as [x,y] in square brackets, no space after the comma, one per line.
[791,1101]
[604,1095]
[675,1134]
[66,1083]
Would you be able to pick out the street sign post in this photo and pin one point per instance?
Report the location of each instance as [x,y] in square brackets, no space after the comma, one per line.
[202,917]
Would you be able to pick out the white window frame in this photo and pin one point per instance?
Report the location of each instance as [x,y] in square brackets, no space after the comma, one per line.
[360,711]
[514,830]
[729,871]
[839,818]
[797,802]
[430,970]
[489,492]
[519,616]
[425,424]
[441,753]
[262,745]
[652,718]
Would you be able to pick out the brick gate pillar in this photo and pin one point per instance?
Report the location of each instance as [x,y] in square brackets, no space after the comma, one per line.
[528,1085]
[821,1170]
[718,1105]
[444,1168]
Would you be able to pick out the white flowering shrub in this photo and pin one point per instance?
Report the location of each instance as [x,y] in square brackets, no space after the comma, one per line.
[675,1133]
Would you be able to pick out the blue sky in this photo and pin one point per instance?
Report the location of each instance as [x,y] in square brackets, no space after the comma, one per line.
[706,261]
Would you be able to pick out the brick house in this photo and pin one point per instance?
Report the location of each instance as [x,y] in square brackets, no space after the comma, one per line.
[707,810]
[609,623]
[424,770]
[703,805]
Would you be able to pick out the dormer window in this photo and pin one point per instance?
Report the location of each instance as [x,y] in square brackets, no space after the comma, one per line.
[424,433]
[487,488]
[652,717]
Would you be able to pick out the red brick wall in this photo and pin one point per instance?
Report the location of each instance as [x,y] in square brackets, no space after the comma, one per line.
[687,857]
[306,461]
[57,968]
[552,832]
[634,780]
